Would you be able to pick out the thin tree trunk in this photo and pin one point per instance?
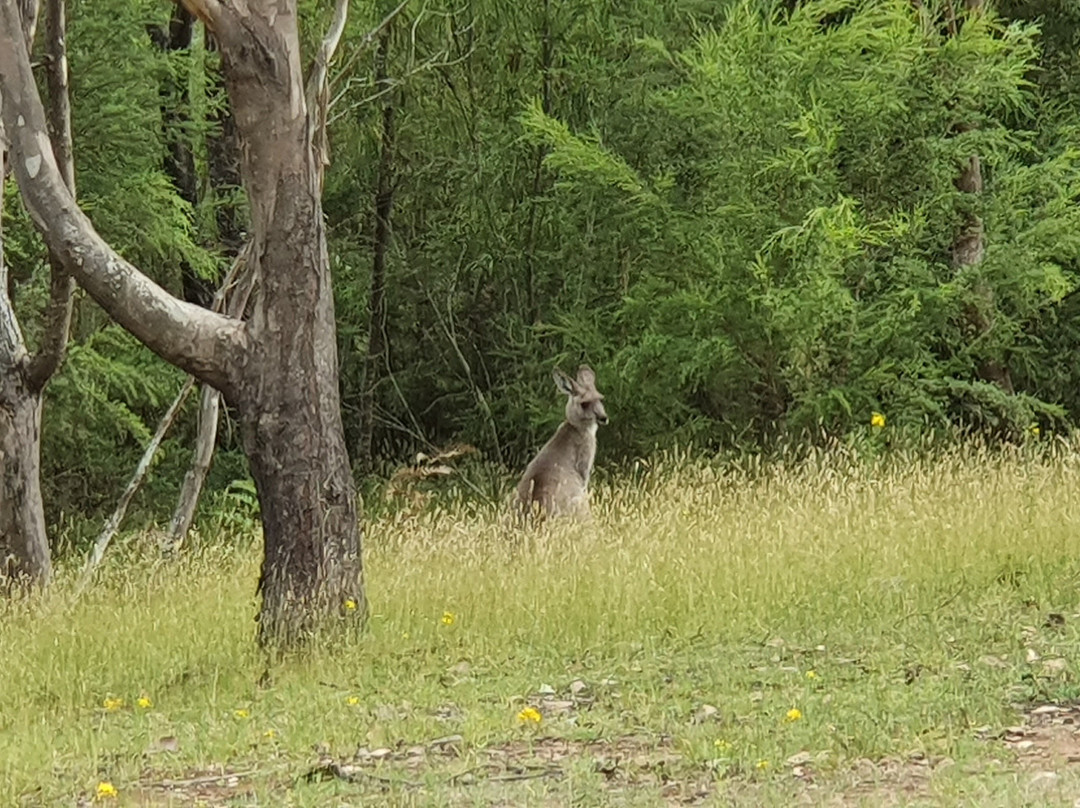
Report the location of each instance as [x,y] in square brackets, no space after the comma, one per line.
[384,203]
[206,438]
[969,246]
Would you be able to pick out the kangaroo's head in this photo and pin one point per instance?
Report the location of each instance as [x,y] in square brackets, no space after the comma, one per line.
[585,409]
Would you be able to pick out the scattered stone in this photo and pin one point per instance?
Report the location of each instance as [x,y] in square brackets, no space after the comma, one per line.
[1047,709]
[577,687]
[1044,779]
[166,744]
[448,740]
[1032,655]
[1056,665]
[546,690]
[799,759]
[706,712]
[380,753]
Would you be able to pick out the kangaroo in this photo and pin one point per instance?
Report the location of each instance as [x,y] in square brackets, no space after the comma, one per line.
[557,479]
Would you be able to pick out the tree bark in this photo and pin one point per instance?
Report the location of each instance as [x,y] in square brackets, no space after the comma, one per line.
[384,204]
[24,546]
[279,369]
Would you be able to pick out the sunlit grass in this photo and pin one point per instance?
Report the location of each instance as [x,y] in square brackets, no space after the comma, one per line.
[828,605]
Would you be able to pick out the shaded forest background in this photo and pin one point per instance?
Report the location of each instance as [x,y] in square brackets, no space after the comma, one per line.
[745,215]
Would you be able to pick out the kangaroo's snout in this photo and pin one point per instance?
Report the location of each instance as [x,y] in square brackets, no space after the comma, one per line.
[601,418]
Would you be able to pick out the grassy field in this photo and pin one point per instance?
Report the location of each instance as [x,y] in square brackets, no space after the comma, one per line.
[824,632]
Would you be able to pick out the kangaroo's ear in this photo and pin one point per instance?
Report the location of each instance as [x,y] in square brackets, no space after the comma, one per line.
[564,382]
[586,377]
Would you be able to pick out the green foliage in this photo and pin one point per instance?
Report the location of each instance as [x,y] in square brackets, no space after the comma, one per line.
[805,169]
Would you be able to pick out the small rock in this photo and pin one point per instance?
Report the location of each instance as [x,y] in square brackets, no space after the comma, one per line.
[820,649]
[546,690]
[799,759]
[1043,779]
[558,706]
[706,712]
[1023,746]
[1032,655]
[380,753]
[577,687]
[1056,665]
[448,740]
[1046,709]
[166,744]
[460,669]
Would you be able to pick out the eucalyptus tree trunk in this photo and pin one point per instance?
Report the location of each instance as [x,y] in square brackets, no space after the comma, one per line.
[24,544]
[279,368]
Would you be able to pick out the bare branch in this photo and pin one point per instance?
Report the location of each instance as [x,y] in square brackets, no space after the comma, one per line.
[317,81]
[203,343]
[369,37]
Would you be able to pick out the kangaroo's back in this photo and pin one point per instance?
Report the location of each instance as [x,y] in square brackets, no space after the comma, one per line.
[557,479]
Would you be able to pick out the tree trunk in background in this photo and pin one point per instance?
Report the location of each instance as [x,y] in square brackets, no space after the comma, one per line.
[179,160]
[223,158]
[969,246]
[24,544]
[384,204]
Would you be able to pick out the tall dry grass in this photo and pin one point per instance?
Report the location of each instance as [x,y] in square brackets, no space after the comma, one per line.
[695,583]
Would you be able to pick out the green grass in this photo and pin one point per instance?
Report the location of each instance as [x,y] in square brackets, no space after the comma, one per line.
[899,607]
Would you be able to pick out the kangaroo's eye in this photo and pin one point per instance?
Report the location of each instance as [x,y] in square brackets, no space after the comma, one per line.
[586,404]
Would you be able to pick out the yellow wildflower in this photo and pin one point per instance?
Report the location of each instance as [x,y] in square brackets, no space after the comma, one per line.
[448,618]
[144,703]
[877,420]
[794,714]
[811,674]
[722,745]
[404,635]
[106,791]
[350,605]
[241,713]
[270,733]
[1034,430]
[352,701]
[112,704]
[763,764]
[529,714]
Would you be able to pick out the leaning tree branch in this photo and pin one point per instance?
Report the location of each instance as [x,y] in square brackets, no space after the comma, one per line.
[317,80]
[207,345]
[57,317]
